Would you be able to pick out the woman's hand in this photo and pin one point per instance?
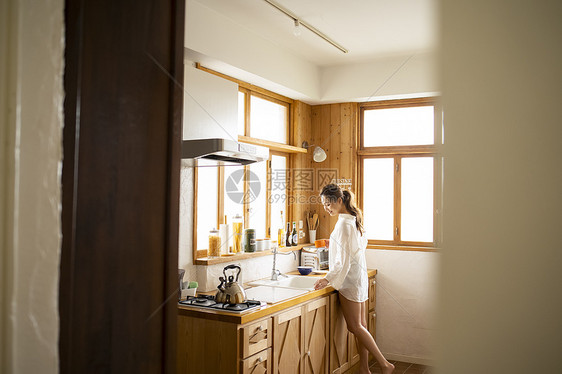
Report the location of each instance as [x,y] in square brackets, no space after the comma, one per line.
[320,283]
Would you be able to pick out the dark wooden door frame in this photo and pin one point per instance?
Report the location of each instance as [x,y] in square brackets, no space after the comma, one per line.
[120,208]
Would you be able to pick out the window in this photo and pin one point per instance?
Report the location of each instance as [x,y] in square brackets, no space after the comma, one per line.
[398,164]
[258,191]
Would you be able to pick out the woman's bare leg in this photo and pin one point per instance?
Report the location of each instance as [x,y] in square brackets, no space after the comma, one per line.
[352,313]
[363,352]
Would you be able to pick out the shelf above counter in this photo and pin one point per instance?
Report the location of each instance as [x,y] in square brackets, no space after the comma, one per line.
[272,145]
[245,255]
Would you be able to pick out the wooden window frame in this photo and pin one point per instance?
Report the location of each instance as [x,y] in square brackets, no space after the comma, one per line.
[398,153]
[280,149]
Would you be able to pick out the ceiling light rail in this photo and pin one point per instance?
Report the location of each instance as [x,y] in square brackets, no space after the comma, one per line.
[296,19]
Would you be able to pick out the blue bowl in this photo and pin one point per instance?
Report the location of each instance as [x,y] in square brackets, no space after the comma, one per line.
[304,270]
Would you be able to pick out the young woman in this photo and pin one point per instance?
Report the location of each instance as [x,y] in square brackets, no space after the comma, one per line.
[348,271]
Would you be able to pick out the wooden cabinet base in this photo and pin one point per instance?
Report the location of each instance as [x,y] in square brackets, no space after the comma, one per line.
[307,338]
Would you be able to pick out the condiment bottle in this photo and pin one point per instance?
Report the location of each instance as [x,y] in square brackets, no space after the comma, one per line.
[237,223]
[249,240]
[214,243]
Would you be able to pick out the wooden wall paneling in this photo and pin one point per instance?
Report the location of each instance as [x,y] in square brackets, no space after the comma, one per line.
[334,128]
[356,142]
[346,131]
[324,227]
[335,138]
[301,162]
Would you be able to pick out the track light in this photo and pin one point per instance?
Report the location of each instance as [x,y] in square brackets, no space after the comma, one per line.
[298,29]
[300,24]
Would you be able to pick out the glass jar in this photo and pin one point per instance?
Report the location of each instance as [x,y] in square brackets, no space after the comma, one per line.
[214,243]
[237,224]
[249,240]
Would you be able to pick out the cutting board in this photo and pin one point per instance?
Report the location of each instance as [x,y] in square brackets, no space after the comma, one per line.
[272,295]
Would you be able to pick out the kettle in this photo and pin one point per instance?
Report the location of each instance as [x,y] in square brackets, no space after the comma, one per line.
[220,296]
[230,291]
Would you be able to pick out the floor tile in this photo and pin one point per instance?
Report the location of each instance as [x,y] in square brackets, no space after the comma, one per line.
[402,368]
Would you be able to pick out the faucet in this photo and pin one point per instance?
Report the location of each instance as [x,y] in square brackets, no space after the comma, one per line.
[274,272]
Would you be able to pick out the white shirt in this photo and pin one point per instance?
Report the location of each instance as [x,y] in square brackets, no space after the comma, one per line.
[348,268]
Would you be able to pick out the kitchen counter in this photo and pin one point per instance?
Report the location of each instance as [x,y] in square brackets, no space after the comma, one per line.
[251,315]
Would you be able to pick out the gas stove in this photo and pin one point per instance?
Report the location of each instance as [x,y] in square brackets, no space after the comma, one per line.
[208,302]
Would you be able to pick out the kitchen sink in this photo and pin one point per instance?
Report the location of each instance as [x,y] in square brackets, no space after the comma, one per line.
[294,281]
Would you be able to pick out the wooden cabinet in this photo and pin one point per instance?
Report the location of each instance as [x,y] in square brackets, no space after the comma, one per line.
[288,342]
[316,336]
[372,294]
[306,338]
[206,346]
[300,342]
[371,315]
[372,322]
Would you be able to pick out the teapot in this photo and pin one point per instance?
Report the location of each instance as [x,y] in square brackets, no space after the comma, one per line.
[230,291]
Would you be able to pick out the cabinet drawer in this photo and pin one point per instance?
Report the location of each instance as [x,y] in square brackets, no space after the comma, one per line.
[256,337]
[372,293]
[260,363]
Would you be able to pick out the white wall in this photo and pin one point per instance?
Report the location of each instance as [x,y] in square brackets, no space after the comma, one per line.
[406,302]
[225,46]
[210,107]
[501,303]
[402,76]
[31,68]
[217,37]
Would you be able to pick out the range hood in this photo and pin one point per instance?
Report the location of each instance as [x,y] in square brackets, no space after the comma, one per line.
[223,151]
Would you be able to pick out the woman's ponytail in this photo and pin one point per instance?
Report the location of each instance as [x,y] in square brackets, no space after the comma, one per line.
[334,192]
[349,202]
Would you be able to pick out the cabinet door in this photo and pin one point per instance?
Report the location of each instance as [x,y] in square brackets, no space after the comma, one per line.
[372,294]
[339,337]
[353,350]
[316,328]
[372,322]
[288,342]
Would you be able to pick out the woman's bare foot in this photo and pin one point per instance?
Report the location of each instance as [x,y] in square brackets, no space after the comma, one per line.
[388,369]
[363,371]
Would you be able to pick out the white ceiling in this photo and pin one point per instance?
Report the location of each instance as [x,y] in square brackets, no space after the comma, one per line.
[369,29]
